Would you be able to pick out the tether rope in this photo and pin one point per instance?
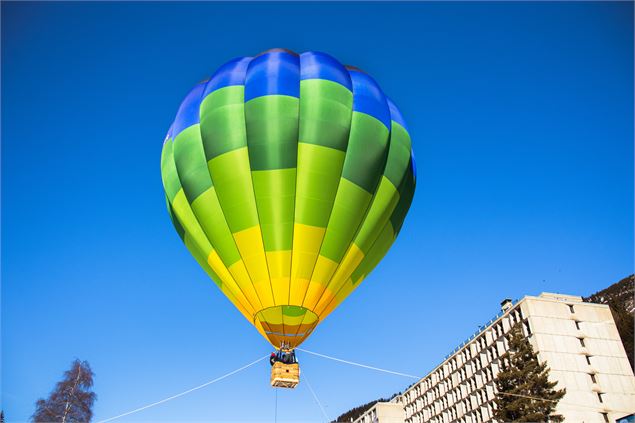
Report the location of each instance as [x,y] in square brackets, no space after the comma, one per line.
[145,407]
[275,416]
[315,397]
[359,364]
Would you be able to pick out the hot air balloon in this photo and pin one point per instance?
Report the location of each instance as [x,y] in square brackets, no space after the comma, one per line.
[288,177]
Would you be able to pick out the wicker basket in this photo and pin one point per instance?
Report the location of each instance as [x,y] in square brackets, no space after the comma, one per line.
[285,375]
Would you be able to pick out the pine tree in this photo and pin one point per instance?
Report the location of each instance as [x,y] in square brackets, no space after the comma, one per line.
[524,392]
[72,400]
[1,416]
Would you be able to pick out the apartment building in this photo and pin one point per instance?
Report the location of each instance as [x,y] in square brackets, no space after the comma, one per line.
[384,412]
[579,342]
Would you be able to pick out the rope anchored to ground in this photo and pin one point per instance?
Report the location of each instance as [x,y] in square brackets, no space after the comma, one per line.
[145,407]
[352,363]
[359,364]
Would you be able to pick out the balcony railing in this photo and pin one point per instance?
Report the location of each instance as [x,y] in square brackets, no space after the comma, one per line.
[480,330]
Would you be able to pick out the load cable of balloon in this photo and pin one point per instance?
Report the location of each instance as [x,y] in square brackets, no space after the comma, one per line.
[240,369]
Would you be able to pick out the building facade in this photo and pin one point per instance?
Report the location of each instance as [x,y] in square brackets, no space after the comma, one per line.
[384,412]
[578,340]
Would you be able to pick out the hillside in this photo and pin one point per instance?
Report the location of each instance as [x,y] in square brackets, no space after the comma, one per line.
[621,292]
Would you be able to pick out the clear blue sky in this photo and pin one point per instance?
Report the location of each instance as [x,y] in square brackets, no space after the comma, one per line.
[522,120]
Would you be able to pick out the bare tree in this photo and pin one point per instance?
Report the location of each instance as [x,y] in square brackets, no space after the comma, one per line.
[72,399]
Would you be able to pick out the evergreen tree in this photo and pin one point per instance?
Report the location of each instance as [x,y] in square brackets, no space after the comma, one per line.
[72,400]
[524,392]
[1,416]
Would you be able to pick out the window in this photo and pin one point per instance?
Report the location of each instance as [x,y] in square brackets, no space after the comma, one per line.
[606,417]
[588,359]
[593,379]
[600,397]
[527,328]
[577,324]
[581,342]
[571,309]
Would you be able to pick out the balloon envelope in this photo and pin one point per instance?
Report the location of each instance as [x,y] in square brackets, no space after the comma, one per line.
[288,178]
